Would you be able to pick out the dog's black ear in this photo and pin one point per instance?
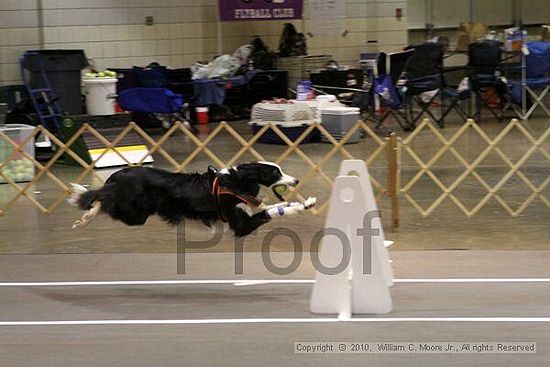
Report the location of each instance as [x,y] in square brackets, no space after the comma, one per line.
[247,171]
[241,179]
[212,169]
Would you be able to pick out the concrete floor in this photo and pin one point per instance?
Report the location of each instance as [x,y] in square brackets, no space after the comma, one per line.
[37,247]
[257,324]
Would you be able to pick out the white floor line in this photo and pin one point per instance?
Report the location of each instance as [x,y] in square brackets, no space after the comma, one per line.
[251,282]
[474,280]
[273,321]
[158,282]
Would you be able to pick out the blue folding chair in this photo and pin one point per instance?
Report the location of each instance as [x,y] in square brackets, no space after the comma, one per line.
[153,98]
[419,69]
[537,79]
[161,102]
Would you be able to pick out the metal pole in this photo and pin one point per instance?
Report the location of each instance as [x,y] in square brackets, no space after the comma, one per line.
[219,31]
[429,18]
[40,13]
[393,173]
[517,13]
[472,11]
[523,84]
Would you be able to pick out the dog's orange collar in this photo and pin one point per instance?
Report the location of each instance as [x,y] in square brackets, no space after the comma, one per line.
[218,191]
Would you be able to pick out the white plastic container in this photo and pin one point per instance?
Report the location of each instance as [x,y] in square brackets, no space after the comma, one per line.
[339,120]
[326,98]
[100,94]
[18,168]
[319,104]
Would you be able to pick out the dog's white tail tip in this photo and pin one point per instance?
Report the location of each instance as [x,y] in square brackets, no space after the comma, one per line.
[76,191]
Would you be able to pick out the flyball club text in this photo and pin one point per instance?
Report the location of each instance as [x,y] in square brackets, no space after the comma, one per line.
[283,13]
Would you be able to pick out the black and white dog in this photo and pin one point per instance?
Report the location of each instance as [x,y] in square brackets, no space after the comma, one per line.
[231,195]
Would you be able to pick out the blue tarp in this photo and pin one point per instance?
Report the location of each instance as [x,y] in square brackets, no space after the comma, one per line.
[212,91]
[150,100]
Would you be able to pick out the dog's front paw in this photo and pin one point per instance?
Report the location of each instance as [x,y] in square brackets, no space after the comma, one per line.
[77,224]
[309,202]
[291,208]
[294,209]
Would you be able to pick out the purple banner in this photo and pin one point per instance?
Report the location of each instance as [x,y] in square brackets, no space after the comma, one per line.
[260,9]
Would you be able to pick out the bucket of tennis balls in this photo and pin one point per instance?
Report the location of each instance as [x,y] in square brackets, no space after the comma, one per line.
[14,164]
[100,90]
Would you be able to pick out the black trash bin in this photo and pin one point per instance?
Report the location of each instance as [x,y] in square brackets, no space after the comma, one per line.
[62,68]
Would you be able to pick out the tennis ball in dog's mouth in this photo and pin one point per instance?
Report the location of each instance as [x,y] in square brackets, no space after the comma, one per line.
[280,189]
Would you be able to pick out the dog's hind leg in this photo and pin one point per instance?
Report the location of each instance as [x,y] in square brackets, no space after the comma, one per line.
[88,215]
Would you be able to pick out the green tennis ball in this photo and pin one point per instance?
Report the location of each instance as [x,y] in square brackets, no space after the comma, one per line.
[20,177]
[19,170]
[27,163]
[280,189]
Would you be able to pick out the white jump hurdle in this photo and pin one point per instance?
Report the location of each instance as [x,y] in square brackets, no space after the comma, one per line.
[353,290]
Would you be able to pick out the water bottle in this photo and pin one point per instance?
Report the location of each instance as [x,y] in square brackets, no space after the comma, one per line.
[302,90]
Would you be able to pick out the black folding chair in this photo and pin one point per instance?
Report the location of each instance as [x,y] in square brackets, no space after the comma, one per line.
[398,65]
[424,73]
[485,63]
[416,71]
[453,96]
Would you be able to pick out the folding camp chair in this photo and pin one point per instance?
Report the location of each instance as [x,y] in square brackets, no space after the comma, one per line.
[485,75]
[537,66]
[418,70]
[153,98]
[424,74]
[161,102]
[398,65]
[452,97]
[373,64]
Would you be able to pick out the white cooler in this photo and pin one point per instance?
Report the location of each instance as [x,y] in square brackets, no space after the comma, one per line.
[339,120]
[100,94]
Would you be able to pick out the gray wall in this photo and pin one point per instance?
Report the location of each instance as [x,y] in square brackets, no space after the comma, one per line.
[113,33]
[448,13]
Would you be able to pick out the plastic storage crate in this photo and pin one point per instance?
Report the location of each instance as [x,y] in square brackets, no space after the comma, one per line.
[16,167]
[320,103]
[292,130]
[339,120]
[292,118]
